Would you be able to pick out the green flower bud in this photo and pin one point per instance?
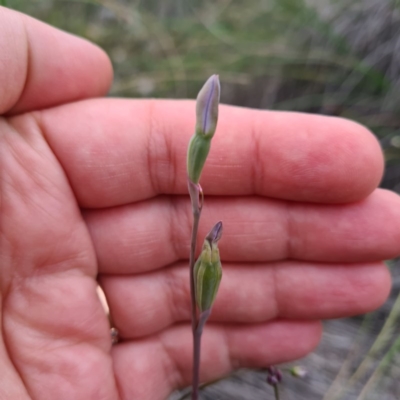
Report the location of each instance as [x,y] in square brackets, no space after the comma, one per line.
[206,123]
[208,270]
[199,147]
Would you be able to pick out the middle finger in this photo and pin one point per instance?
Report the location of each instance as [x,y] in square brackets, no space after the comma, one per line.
[149,235]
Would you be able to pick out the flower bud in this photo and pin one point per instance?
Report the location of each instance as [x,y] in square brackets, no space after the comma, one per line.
[207,107]
[274,376]
[206,123]
[208,270]
[199,147]
[272,380]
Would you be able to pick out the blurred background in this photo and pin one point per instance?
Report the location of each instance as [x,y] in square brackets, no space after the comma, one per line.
[319,56]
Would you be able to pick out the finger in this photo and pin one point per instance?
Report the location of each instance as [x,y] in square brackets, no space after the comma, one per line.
[58,337]
[163,363]
[146,304]
[149,235]
[118,151]
[12,386]
[42,66]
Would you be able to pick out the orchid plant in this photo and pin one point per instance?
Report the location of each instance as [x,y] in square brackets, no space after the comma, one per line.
[206,271]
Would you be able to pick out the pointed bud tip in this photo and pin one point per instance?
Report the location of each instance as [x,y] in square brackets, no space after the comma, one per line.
[207,106]
[215,234]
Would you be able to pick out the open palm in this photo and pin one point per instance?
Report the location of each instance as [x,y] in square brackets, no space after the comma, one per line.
[94,190]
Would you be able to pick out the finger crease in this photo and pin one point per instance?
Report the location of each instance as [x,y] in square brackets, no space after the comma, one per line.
[170,283]
[172,234]
[231,362]
[289,232]
[276,291]
[256,171]
[172,370]
[150,148]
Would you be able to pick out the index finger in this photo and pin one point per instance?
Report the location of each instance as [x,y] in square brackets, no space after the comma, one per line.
[41,66]
[118,151]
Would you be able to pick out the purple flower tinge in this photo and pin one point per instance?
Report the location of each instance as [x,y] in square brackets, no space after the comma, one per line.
[274,376]
[206,124]
[207,107]
[215,234]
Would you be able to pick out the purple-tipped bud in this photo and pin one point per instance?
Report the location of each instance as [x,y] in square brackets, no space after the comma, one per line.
[207,107]
[215,234]
[272,380]
[279,375]
[206,123]
[274,376]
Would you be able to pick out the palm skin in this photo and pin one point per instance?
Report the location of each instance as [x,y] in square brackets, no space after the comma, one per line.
[94,190]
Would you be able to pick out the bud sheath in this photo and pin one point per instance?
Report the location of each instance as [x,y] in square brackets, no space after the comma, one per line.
[208,270]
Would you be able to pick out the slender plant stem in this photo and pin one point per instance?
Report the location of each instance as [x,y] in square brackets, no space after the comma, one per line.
[196,364]
[381,340]
[196,352]
[367,362]
[276,392]
[385,362]
[338,386]
[196,196]
[196,220]
[337,389]
[202,386]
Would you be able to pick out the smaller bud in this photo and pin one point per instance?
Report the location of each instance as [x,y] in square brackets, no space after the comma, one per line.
[215,234]
[279,375]
[206,123]
[272,380]
[208,270]
[274,376]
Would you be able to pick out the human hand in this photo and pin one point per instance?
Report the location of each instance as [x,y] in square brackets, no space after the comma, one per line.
[96,188]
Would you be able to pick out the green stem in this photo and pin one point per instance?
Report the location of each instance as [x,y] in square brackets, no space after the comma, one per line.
[196,220]
[381,340]
[380,369]
[338,385]
[196,197]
